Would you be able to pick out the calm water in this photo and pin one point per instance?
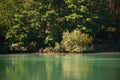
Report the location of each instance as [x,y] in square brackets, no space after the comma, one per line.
[60,67]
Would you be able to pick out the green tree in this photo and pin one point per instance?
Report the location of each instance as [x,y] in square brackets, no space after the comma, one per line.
[26,31]
[40,23]
[8,8]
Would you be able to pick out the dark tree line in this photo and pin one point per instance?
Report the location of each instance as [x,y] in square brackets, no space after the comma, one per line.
[59,25]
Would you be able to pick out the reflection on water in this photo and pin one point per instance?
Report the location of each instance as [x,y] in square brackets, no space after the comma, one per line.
[60,67]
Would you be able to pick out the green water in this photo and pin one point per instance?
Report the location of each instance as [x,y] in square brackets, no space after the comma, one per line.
[60,67]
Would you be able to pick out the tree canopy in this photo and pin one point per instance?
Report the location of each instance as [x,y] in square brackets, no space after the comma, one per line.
[34,24]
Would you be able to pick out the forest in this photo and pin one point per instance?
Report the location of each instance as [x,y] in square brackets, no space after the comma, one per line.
[74,26]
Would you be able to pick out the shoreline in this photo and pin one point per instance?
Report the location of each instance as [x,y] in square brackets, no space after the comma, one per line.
[21,53]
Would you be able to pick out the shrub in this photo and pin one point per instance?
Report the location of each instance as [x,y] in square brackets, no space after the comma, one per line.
[58,47]
[75,41]
[48,50]
[17,47]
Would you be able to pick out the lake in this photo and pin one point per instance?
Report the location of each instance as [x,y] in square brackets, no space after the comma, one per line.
[60,67]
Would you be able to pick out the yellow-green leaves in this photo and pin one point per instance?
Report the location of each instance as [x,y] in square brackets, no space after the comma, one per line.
[88,19]
[83,8]
[76,41]
[73,16]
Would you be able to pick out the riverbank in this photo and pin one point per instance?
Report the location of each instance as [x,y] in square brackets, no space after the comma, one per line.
[99,48]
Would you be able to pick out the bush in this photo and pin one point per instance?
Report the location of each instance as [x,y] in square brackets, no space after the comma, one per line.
[75,41]
[58,47]
[17,47]
[48,50]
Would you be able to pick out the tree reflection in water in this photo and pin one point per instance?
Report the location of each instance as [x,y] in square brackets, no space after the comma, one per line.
[59,67]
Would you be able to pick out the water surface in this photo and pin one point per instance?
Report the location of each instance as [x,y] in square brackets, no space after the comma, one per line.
[60,67]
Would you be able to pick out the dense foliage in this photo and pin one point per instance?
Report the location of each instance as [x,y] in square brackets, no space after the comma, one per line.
[30,25]
[75,41]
